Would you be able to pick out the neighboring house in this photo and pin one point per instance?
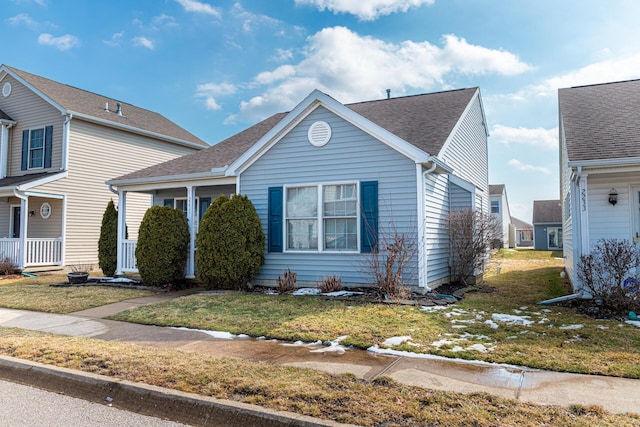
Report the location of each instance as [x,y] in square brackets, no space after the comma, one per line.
[499,208]
[523,232]
[331,181]
[58,144]
[547,225]
[599,166]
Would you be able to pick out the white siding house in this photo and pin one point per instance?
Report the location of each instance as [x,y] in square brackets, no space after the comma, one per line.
[395,165]
[58,144]
[599,167]
[499,208]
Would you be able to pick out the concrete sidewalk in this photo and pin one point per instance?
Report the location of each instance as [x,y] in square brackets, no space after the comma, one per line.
[618,395]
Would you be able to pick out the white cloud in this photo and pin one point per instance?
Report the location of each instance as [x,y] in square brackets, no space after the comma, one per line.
[517,164]
[547,139]
[164,21]
[62,43]
[282,55]
[351,68]
[209,91]
[42,3]
[116,39]
[609,70]
[143,42]
[22,19]
[365,10]
[252,20]
[200,7]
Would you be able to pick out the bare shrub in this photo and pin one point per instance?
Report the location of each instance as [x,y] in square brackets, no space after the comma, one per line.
[470,235]
[330,284]
[8,267]
[610,274]
[287,284]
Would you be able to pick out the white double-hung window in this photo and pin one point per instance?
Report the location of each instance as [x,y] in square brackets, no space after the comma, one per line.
[36,148]
[322,217]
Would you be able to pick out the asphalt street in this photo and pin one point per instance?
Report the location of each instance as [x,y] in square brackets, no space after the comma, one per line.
[24,406]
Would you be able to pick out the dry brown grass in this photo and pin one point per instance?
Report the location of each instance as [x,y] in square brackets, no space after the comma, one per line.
[338,397]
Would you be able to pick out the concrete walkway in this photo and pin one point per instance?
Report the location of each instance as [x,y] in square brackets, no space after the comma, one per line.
[618,395]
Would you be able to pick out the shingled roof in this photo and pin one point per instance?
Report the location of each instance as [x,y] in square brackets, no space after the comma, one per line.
[425,121]
[496,190]
[87,103]
[547,211]
[601,121]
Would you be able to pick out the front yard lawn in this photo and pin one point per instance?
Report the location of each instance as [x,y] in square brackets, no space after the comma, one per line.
[36,294]
[505,325]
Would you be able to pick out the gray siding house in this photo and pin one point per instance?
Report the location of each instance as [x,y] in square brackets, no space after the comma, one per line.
[599,167]
[499,208]
[58,144]
[330,182]
[547,225]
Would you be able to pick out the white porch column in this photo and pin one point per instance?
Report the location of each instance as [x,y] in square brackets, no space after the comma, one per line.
[583,196]
[122,220]
[191,204]
[24,215]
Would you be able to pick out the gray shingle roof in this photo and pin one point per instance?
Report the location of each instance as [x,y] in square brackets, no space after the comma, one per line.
[547,211]
[93,105]
[520,224]
[601,121]
[12,181]
[4,116]
[425,121]
[496,190]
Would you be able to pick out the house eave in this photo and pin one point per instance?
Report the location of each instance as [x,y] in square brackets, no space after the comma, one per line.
[605,163]
[133,129]
[165,179]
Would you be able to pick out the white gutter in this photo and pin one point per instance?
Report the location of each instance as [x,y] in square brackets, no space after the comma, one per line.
[166,178]
[623,161]
[136,130]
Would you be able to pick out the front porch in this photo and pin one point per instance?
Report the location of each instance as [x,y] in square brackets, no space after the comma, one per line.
[37,252]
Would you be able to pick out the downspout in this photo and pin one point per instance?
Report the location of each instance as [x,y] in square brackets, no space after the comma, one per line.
[422,252]
[66,127]
[24,214]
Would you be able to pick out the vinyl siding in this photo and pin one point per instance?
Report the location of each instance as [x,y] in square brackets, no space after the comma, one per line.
[30,111]
[350,156]
[606,220]
[459,198]
[5,216]
[436,189]
[97,154]
[567,198]
[466,151]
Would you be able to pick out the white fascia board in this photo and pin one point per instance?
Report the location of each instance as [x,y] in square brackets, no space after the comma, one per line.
[163,179]
[44,195]
[34,89]
[475,96]
[303,109]
[42,181]
[134,130]
[602,163]
[8,122]
[464,184]
[441,167]
[160,183]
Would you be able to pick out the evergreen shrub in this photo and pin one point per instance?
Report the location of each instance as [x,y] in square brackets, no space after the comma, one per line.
[108,242]
[230,243]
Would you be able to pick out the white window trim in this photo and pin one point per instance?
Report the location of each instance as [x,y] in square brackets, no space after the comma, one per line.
[12,220]
[320,217]
[491,206]
[42,208]
[558,235]
[196,212]
[44,148]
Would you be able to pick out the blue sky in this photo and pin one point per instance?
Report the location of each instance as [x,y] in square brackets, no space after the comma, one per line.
[216,67]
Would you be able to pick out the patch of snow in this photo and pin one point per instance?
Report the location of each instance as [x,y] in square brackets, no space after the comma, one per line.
[456,349]
[242,336]
[440,343]
[512,337]
[524,307]
[512,320]
[571,327]
[112,279]
[393,341]
[334,347]
[546,310]
[634,322]
[517,311]
[478,347]
[602,327]
[491,323]
[432,308]
[215,334]
[467,335]
[454,321]
[342,294]
[458,326]
[271,292]
[261,338]
[306,291]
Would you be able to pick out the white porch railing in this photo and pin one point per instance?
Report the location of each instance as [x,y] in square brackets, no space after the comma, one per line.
[129,256]
[39,251]
[44,252]
[10,248]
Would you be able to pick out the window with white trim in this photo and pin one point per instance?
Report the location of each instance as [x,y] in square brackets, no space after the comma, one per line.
[495,206]
[36,148]
[322,217]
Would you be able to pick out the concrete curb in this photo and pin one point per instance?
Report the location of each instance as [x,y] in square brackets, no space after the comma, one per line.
[150,400]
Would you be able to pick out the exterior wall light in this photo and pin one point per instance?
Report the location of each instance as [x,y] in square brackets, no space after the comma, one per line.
[613,196]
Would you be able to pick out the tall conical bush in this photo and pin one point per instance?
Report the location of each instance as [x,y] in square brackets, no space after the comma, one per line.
[108,242]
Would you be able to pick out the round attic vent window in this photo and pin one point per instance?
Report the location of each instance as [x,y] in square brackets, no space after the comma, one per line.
[45,210]
[319,133]
[6,89]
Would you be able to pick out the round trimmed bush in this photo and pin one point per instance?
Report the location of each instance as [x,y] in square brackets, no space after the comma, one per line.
[163,241]
[230,243]
[108,242]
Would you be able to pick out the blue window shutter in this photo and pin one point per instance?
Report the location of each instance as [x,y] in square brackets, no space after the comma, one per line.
[205,202]
[48,137]
[168,202]
[369,216]
[275,220]
[25,150]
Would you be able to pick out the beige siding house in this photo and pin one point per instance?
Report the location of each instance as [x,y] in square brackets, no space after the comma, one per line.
[58,146]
